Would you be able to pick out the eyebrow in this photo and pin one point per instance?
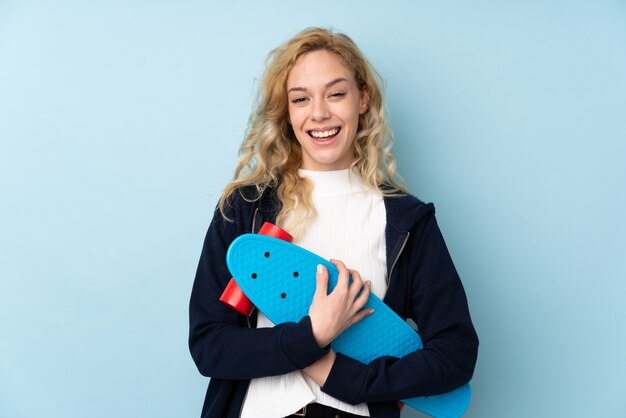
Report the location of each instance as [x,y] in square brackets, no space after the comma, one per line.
[329,84]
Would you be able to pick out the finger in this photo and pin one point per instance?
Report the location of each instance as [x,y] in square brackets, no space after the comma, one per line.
[363,297]
[357,283]
[321,281]
[360,315]
[343,278]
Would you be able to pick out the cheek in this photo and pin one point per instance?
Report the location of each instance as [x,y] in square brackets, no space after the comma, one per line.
[350,117]
[351,111]
[295,116]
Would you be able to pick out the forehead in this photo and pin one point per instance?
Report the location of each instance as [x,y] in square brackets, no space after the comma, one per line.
[317,68]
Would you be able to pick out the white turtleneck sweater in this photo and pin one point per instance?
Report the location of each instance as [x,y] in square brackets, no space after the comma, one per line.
[350,226]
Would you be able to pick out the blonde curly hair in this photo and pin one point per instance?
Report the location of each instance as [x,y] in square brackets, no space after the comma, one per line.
[270,154]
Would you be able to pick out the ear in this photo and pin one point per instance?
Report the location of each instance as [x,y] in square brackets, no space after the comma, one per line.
[365,101]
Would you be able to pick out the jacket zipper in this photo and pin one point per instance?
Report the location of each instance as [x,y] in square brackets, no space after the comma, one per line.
[254,220]
[395,261]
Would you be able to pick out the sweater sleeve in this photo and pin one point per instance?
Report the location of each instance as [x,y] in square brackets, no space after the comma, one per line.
[439,307]
[221,344]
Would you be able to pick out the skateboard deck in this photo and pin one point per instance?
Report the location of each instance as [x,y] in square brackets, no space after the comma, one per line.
[279,278]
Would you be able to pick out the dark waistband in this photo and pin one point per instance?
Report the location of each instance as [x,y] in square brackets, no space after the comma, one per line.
[317,410]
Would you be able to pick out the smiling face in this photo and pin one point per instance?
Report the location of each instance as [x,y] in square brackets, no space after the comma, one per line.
[324,107]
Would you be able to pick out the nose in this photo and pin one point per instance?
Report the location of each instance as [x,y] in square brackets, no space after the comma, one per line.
[319,111]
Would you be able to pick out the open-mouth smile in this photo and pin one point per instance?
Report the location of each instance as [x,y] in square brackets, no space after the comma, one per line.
[325,134]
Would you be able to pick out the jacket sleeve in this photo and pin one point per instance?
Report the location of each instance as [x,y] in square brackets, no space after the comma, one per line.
[439,307]
[221,344]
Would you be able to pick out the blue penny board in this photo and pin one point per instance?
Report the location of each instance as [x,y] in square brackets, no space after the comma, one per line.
[279,278]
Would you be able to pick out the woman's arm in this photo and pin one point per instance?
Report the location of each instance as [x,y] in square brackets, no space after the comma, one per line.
[220,342]
[439,307]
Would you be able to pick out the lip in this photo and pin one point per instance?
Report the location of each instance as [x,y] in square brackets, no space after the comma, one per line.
[324,128]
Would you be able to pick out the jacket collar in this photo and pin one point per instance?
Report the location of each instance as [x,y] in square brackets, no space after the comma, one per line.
[405,210]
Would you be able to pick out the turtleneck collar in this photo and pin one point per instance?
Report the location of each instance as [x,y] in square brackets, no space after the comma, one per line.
[335,183]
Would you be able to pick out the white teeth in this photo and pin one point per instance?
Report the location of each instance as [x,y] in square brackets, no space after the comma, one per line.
[324,134]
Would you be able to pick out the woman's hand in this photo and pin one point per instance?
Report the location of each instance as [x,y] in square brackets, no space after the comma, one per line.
[333,313]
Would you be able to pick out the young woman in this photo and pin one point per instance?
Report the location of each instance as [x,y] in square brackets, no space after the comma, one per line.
[316,161]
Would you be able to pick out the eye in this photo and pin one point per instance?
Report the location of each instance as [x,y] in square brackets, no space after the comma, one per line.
[299,100]
[337,94]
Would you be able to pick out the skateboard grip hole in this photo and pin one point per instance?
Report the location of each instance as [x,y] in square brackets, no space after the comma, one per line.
[267,254]
[254,276]
[283,295]
[296,274]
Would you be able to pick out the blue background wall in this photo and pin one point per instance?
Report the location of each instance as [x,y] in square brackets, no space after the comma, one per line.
[120,124]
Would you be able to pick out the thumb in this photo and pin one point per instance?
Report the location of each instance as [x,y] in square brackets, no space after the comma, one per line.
[321,281]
